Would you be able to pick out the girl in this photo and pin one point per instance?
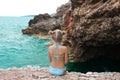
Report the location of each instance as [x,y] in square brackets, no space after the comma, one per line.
[58,54]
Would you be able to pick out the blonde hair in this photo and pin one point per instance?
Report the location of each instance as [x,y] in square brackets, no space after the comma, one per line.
[57,35]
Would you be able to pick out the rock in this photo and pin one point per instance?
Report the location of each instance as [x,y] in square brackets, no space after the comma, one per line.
[96,30]
[42,23]
[37,73]
[97,26]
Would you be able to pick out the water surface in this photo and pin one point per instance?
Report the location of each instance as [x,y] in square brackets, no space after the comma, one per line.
[18,50]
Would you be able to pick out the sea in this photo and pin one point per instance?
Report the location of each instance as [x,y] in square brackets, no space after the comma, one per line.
[20,50]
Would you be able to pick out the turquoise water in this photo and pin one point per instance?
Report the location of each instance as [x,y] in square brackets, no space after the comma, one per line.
[18,50]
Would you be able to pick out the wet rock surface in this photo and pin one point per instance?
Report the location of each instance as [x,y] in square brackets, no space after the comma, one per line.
[38,73]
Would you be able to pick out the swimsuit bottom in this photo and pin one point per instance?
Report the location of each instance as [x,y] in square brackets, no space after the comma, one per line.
[57,71]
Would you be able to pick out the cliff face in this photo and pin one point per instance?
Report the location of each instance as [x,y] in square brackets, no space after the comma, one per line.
[42,23]
[97,29]
[93,29]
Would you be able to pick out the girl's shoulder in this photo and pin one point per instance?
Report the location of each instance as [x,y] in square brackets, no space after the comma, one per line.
[63,47]
[50,47]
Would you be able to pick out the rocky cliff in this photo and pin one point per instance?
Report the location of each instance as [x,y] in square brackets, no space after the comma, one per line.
[97,29]
[93,27]
[42,23]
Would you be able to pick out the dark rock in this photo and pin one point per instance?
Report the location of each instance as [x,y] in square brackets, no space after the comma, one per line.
[40,23]
[97,29]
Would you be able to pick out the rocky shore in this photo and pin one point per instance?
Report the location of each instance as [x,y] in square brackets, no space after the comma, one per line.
[96,33]
[38,73]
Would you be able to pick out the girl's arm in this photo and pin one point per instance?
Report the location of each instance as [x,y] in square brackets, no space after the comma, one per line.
[49,54]
[66,56]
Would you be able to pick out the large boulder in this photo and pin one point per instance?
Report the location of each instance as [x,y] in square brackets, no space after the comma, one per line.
[40,23]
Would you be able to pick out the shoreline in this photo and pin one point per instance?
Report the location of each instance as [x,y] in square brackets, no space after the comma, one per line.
[41,36]
[42,73]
